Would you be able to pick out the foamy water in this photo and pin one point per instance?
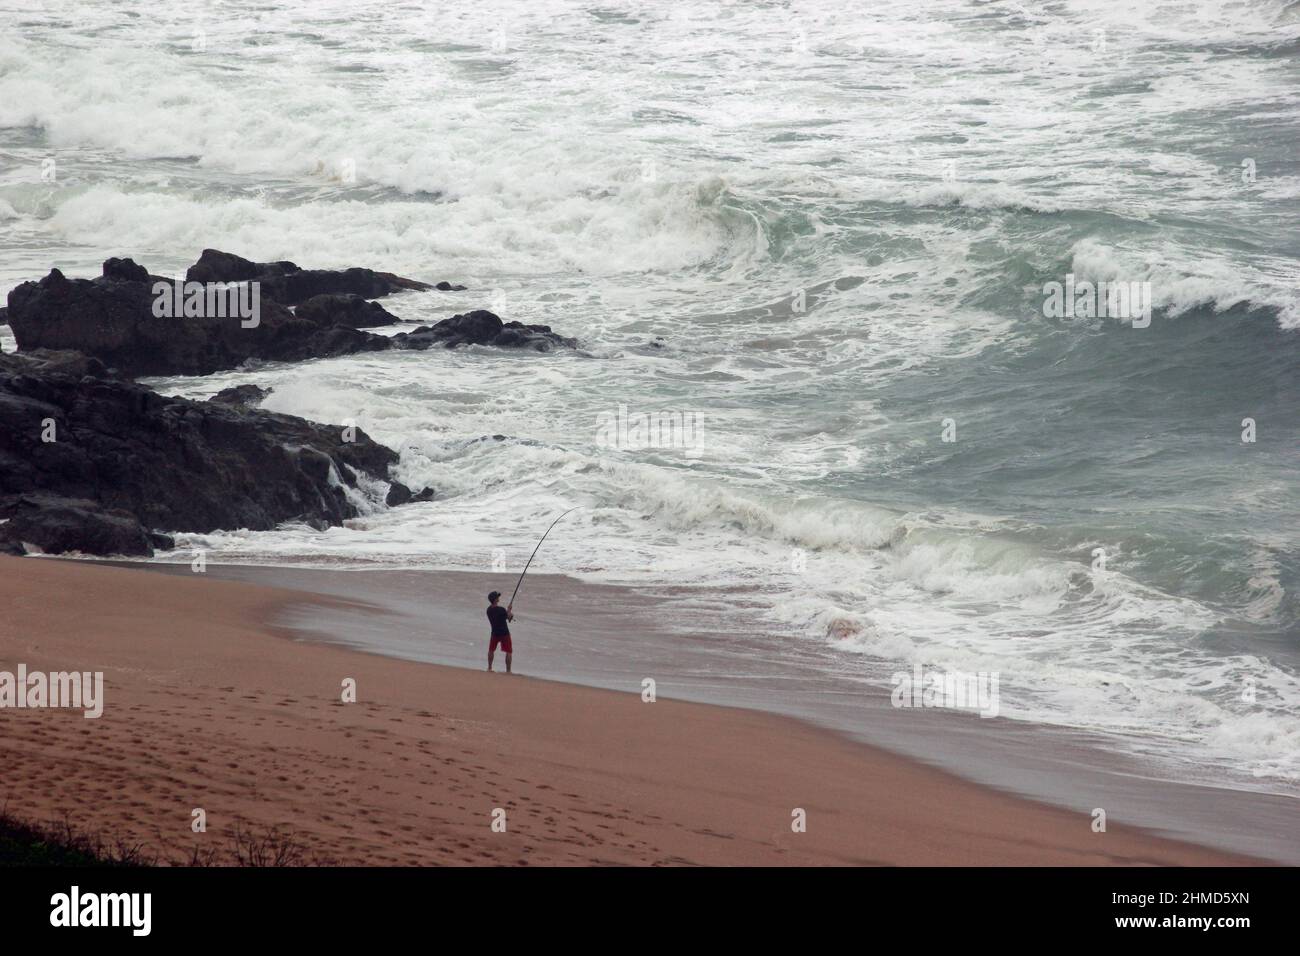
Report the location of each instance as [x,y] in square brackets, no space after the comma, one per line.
[819,233]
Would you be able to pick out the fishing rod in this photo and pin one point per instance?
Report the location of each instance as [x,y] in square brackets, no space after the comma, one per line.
[534,554]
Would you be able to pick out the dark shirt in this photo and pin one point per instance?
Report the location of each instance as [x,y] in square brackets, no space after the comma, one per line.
[497,615]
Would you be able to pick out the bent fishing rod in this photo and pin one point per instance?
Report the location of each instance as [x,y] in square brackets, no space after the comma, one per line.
[534,554]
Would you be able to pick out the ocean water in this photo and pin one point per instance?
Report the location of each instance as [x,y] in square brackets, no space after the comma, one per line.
[819,237]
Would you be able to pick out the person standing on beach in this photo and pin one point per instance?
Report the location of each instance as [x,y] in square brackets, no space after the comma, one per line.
[500,617]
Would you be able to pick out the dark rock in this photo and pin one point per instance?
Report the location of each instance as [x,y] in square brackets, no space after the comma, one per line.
[217,266]
[66,362]
[113,319]
[161,542]
[515,335]
[481,327]
[4,316]
[125,270]
[56,525]
[241,395]
[398,494]
[448,287]
[166,463]
[350,310]
[287,284]
[300,286]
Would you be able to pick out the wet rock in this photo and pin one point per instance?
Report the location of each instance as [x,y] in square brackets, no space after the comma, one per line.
[138,324]
[65,362]
[288,284]
[217,266]
[125,270]
[169,464]
[114,320]
[482,327]
[398,494]
[55,525]
[350,310]
[242,396]
[161,542]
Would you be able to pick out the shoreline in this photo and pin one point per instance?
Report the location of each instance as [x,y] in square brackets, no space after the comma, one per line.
[204,708]
[610,637]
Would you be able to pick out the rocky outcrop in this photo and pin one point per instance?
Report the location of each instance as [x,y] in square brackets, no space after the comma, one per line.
[114,318]
[140,324]
[44,362]
[217,266]
[126,270]
[350,310]
[286,283]
[399,494]
[51,524]
[481,327]
[243,396]
[98,464]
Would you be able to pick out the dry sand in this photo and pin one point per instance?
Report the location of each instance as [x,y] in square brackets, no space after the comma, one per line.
[206,706]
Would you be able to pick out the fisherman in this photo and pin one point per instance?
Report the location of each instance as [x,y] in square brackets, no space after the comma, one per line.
[500,618]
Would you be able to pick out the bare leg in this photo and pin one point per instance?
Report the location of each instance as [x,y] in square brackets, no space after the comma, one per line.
[492,654]
[508,656]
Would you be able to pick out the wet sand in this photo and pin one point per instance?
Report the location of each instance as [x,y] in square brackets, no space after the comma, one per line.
[692,645]
[209,705]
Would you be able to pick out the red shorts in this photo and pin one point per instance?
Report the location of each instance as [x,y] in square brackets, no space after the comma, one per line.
[504,642]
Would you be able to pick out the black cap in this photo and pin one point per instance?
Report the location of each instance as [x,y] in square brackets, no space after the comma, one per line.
[493,596]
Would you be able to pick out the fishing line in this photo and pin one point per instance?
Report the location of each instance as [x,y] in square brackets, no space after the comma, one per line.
[534,554]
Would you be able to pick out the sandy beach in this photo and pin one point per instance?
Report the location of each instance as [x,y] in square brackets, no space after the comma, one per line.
[208,704]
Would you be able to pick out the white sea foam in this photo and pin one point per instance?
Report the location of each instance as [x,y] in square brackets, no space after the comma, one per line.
[946,589]
[1179,284]
[980,196]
